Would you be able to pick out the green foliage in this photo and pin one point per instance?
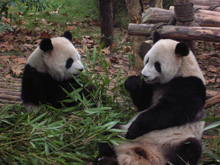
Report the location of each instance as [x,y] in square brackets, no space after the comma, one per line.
[23,6]
[78,9]
[67,135]
[120,14]
[211,147]
[167,3]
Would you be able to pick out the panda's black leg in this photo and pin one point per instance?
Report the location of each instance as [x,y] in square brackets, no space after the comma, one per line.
[188,152]
[107,155]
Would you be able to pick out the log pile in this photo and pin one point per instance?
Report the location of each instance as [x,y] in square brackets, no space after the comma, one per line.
[207,18]
[10,93]
[202,17]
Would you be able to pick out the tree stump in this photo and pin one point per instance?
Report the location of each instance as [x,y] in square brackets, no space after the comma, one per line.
[135,10]
[184,15]
[106,21]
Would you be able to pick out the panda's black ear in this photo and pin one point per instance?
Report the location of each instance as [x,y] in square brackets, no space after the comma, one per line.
[156,37]
[182,49]
[46,45]
[68,35]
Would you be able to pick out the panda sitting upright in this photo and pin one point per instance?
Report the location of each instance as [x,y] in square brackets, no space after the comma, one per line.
[49,69]
[170,98]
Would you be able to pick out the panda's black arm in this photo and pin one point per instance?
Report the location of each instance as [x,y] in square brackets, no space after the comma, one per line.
[180,104]
[40,88]
[140,92]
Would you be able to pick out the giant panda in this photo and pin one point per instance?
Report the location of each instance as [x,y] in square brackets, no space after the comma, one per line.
[170,95]
[49,70]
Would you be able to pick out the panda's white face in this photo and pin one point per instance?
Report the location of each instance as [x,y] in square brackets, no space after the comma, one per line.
[63,60]
[161,64]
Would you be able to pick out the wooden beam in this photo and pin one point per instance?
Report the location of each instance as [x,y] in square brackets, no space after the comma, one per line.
[206,2]
[177,32]
[202,17]
[200,7]
[212,101]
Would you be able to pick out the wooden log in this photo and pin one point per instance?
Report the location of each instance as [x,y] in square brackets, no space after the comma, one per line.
[206,2]
[210,93]
[5,101]
[10,97]
[177,32]
[156,15]
[212,101]
[202,17]
[200,7]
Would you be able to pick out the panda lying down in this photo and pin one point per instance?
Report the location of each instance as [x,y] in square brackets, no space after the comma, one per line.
[49,69]
[170,100]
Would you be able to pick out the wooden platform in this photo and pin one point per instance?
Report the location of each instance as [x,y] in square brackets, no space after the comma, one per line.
[10,92]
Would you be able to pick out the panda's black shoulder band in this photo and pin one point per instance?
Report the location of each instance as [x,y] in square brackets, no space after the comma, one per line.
[182,49]
[46,45]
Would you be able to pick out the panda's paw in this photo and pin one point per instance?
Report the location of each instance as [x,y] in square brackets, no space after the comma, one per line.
[134,131]
[132,83]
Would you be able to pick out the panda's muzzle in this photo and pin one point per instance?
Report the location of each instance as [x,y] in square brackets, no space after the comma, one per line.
[80,70]
[144,76]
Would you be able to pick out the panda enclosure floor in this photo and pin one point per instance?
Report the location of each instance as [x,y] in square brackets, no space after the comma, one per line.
[11,64]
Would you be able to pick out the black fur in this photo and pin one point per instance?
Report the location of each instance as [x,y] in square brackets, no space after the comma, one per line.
[181,100]
[68,35]
[188,151]
[140,92]
[46,45]
[158,67]
[107,155]
[42,88]
[156,37]
[182,49]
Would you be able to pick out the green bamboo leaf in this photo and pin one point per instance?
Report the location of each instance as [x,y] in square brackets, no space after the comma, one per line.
[33,145]
[46,148]
[35,126]
[9,27]
[94,55]
[2,28]
[38,118]
[117,130]
[114,142]
[213,125]
[110,124]
[97,110]
[212,155]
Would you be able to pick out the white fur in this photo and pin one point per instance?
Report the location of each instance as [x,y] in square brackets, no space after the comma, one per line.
[172,65]
[156,143]
[54,62]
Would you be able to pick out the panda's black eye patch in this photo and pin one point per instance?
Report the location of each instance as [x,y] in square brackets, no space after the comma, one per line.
[147,61]
[69,63]
[157,66]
